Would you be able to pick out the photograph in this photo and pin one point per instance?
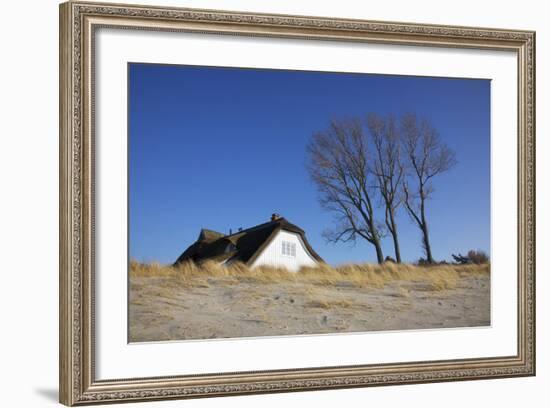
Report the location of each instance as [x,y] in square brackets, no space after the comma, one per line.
[284,199]
[269,202]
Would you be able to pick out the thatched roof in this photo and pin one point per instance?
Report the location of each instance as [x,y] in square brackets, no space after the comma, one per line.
[243,246]
[207,235]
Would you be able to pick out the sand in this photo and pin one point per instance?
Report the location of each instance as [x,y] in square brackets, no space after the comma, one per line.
[162,309]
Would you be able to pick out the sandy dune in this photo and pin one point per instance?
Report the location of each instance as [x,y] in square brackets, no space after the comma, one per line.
[220,307]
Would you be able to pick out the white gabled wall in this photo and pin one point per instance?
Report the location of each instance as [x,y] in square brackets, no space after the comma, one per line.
[272,255]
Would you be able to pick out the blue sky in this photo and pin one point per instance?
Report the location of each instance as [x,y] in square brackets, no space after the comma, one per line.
[224,148]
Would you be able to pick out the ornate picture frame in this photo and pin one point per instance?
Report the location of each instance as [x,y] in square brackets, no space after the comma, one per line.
[78,24]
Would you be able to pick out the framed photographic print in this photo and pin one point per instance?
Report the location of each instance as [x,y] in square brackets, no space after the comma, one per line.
[256,203]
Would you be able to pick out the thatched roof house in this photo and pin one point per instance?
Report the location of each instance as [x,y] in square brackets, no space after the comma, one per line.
[275,243]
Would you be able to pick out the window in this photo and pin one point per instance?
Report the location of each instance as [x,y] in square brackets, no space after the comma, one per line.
[289,249]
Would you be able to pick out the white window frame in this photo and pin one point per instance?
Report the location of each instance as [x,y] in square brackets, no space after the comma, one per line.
[288,249]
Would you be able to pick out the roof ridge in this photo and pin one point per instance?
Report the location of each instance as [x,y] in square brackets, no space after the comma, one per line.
[211,230]
[265,224]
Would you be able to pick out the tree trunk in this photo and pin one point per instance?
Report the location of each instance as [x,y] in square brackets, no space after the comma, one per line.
[396,243]
[425,234]
[374,231]
[427,247]
[379,253]
[396,247]
[393,230]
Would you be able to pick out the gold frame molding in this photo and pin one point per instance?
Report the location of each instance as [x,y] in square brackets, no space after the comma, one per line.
[78,22]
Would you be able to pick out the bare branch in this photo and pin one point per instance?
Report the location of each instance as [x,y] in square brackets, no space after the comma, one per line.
[427,156]
[338,165]
[388,169]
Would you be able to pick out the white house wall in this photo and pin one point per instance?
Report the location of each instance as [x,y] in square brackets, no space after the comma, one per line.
[272,255]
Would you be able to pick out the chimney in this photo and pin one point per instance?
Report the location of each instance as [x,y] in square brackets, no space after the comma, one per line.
[230,231]
[240,229]
[275,217]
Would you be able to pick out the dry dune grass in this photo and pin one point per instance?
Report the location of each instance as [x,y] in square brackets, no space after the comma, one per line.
[438,277]
[211,301]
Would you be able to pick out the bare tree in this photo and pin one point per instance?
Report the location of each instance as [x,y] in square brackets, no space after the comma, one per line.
[427,156]
[387,167]
[338,165]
